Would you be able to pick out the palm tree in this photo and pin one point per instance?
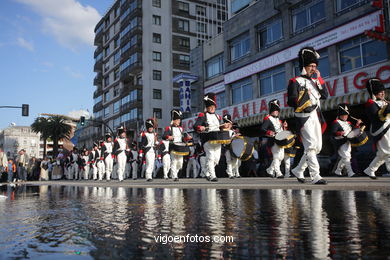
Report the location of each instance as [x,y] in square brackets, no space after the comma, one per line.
[59,129]
[41,125]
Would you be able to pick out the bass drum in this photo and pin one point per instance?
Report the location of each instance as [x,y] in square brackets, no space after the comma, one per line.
[179,149]
[241,148]
[285,139]
[357,137]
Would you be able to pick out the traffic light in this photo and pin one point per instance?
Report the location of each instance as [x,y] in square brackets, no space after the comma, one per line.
[25,108]
[82,120]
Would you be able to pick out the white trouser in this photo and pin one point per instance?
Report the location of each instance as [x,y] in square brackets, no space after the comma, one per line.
[232,165]
[108,162]
[94,171]
[202,168]
[312,142]
[192,165]
[213,154]
[382,155]
[73,171]
[127,169]
[287,165]
[100,169]
[277,157]
[166,164]
[86,171]
[149,157]
[134,169]
[344,152]
[121,161]
[176,164]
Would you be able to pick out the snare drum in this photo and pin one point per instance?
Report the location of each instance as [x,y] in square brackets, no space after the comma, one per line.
[217,137]
[179,149]
[241,148]
[285,139]
[357,137]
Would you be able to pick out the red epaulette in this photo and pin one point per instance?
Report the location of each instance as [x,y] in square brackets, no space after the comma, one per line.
[369,102]
[266,117]
[349,122]
[293,79]
[335,121]
[143,134]
[201,115]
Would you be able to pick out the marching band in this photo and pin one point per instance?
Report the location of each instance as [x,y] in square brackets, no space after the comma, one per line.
[215,136]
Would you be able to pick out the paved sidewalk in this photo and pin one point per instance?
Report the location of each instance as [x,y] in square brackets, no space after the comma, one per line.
[334,183]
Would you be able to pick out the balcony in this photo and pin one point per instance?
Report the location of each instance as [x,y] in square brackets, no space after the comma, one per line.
[98,80]
[127,75]
[98,38]
[98,51]
[98,107]
[98,67]
[98,92]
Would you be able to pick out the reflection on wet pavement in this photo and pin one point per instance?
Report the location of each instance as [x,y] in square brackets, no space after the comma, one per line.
[46,222]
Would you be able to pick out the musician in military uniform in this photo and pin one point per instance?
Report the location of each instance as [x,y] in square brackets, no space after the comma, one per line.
[148,143]
[341,127]
[119,150]
[174,134]
[304,94]
[107,155]
[205,123]
[232,162]
[269,128]
[378,110]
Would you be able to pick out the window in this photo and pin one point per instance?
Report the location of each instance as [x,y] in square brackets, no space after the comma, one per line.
[117,106]
[106,112]
[125,100]
[133,95]
[130,61]
[107,37]
[130,9]
[129,44]
[156,20]
[107,22]
[107,96]
[184,42]
[323,64]
[106,66]
[200,10]
[157,112]
[116,74]
[117,42]
[184,7]
[214,66]
[221,99]
[156,75]
[106,81]
[221,15]
[117,122]
[97,100]
[107,51]
[156,3]
[237,5]
[184,25]
[242,91]
[116,13]
[270,33]
[273,80]
[156,38]
[156,56]
[156,93]
[360,51]
[116,91]
[98,114]
[308,15]
[184,59]
[117,57]
[201,27]
[133,23]
[239,47]
[344,5]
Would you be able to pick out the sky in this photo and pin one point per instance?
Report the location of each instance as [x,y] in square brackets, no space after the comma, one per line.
[46,56]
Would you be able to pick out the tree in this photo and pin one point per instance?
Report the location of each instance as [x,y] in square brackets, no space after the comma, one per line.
[59,129]
[41,125]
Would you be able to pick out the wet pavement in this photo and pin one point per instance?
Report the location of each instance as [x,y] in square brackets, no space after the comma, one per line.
[106,221]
